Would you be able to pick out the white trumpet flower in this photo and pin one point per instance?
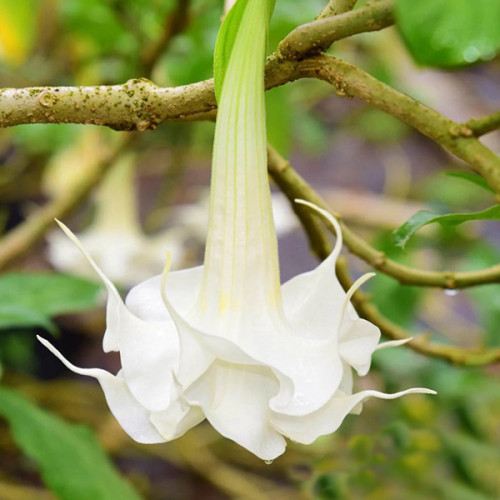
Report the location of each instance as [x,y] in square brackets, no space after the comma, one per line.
[225,341]
[115,239]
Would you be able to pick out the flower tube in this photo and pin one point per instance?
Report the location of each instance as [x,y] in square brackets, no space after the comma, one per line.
[225,341]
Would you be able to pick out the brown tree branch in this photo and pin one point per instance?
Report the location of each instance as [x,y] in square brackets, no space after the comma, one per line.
[481,126]
[318,35]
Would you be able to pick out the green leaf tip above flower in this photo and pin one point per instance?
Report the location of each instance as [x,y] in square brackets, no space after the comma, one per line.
[226,341]
[228,31]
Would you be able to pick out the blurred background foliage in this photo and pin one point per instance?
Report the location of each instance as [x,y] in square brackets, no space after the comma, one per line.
[56,433]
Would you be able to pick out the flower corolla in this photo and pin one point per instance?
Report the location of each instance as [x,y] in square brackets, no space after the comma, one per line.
[225,341]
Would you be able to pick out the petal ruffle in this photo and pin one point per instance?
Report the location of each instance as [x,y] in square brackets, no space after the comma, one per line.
[313,301]
[145,301]
[235,400]
[308,428]
[358,338]
[149,353]
[177,419]
[358,342]
[131,415]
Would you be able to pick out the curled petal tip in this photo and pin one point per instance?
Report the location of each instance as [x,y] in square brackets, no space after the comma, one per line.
[393,343]
[330,218]
[422,390]
[64,227]
[42,341]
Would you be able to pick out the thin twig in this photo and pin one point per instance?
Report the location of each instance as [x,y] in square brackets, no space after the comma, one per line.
[336,7]
[294,186]
[422,344]
[484,125]
[318,35]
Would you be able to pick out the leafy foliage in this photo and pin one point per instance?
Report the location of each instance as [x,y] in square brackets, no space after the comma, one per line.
[70,459]
[447,33]
[473,178]
[422,218]
[32,299]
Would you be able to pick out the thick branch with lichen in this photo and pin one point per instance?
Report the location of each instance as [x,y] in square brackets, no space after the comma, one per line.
[139,104]
[458,139]
[136,105]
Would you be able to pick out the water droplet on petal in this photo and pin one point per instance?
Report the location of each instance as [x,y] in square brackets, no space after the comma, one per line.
[450,292]
[268,462]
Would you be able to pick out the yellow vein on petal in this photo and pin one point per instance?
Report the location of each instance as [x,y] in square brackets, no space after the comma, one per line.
[163,281]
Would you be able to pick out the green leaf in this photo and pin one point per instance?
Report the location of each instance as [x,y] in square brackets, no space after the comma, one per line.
[29,299]
[18,22]
[330,487]
[473,178]
[402,234]
[71,461]
[226,38]
[13,316]
[447,33]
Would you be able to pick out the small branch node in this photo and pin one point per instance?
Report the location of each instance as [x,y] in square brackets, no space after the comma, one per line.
[47,99]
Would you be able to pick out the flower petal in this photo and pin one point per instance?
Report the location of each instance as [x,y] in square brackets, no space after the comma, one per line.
[149,353]
[177,419]
[313,301]
[198,348]
[145,301]
[149,356]
[235,400]
[131,415]
[393,343]
[308,428]
[110,341]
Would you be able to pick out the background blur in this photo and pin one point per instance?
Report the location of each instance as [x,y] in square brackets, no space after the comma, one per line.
[372,169]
